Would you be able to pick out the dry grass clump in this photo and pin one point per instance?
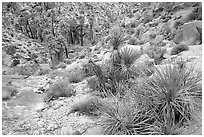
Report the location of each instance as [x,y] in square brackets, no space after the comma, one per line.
[89,106]
[61,88]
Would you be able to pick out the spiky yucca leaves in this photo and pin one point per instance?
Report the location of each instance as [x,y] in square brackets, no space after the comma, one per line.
[173,94]
[123,64]
[126,118]
[117,37]
[103,80]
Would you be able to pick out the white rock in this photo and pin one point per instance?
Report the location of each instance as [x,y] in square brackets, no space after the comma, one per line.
[39,106]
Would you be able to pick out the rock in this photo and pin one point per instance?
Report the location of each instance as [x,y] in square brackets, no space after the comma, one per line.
[39,107]
[146,37]
[169,27]
[167,54]
[144,59]
[158,39]
[169,44]
[189,33]
[61,65]
[139,30]
[146,47]
[187,15]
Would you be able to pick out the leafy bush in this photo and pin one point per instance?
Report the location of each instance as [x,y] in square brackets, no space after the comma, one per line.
[88,106]
[173,94]
[61,88]
[179,48]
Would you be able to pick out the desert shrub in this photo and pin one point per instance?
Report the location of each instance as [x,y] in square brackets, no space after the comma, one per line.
[179,48]
[87,70]
[88,106]
[172,93]
[117,37]
[75,76]
[61,88]
[123,65]
[126,117]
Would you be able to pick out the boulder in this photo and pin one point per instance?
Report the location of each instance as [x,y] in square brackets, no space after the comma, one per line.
[144,60]
[187,15]
[189,34]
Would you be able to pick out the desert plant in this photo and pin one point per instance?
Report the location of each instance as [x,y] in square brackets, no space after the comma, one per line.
[179,48]
[172,93]
[126,118]
[117,37]
[88,106]
[127,57]
[61,88]
[87,70]
[75,76]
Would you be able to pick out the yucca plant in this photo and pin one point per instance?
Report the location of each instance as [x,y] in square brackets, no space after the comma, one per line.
[123,65]
[173,94]
[125,117]
[117,37]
